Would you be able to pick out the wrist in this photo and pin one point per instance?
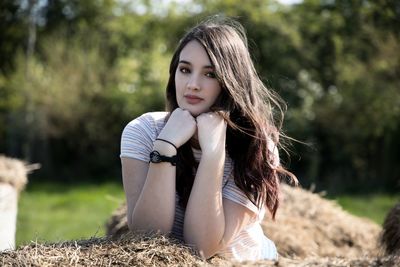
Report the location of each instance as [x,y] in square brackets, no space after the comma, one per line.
[213,155]
[164,148]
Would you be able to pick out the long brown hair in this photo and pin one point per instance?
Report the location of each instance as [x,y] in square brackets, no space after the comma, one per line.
[253,113]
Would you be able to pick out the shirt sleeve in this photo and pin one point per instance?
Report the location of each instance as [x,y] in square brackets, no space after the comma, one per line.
[136,139]
[232,192]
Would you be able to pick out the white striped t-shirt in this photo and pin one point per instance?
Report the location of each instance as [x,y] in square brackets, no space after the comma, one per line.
[251,243]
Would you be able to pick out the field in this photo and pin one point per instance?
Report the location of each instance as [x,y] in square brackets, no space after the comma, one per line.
[55,212]
[374,206]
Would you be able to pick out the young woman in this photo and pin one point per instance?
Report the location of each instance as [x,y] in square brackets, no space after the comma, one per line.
[206,170]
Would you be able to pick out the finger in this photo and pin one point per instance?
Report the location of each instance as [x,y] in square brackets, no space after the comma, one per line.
[186,112]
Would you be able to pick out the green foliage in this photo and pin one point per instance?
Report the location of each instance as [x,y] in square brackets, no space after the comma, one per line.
[52,90]
[12,33]
[74,105]
[354,107]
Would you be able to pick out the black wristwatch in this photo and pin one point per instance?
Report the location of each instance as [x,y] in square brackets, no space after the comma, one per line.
[156,157]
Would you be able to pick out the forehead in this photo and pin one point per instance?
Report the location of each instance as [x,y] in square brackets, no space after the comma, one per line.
[194,52]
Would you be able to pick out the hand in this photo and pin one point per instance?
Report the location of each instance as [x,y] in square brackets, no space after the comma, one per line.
[211,132]
[180,127]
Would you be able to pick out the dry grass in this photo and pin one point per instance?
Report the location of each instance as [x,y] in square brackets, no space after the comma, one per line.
[128,250]
[309,225]
[14,172]
[390,238]
[117,225]
[152,250]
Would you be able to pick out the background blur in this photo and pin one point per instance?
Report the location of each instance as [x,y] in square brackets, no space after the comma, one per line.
[74,73]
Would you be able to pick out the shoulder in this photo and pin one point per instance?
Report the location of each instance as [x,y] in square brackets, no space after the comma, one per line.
[151,118]
[138,135]
[150,122]
[145,127]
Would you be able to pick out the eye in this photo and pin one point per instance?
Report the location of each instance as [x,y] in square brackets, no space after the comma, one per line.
[211,74]
[184,70]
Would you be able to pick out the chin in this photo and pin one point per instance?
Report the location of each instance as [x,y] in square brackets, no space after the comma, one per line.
[193,111]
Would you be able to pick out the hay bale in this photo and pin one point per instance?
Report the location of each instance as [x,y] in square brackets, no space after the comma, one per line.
[306,225]
[128,250]
[12,181]
[8,216]
[13,178]
[117,225]
[13,172]
[390,237]
[334,262]
[309,225]
[152,250]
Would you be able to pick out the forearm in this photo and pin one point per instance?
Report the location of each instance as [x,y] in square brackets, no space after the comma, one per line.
[155,208]
[204,223]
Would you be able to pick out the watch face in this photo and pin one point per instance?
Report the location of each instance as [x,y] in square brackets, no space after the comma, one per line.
[155,157]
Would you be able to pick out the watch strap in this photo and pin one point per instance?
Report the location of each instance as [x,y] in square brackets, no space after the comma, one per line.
[156,157]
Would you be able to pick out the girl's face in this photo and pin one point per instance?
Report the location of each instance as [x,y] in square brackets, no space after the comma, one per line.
[196,85]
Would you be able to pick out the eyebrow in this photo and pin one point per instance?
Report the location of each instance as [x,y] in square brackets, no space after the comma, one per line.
[187,62]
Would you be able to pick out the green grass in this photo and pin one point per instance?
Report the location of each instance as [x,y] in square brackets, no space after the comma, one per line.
[372,206]
[57,212]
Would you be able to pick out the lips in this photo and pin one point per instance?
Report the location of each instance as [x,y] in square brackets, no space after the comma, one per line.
[192,99]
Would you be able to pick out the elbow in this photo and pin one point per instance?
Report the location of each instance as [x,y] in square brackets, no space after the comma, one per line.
[206,254]
[207,244]
[143,226]
[205,248]
[130,220]
[130,225]
[148,229]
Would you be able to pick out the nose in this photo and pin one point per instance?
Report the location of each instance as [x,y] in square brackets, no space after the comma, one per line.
[193,83]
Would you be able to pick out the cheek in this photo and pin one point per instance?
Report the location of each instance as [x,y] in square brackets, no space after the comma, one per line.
[176,79]
[179,82]
[216,90]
